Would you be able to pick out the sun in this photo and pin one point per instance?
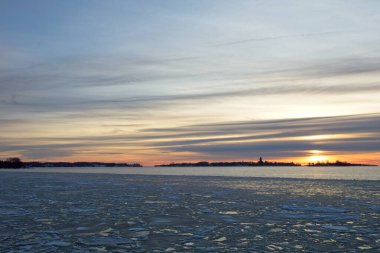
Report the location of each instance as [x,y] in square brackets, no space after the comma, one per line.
[318,158]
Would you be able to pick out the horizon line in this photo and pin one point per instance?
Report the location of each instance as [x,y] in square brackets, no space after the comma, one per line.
[198,161]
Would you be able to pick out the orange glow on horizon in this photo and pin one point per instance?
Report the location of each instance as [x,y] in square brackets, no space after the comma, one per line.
[327,156]
[155,157]
[318,158]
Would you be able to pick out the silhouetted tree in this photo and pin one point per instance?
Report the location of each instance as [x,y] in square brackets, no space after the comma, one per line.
[12,163]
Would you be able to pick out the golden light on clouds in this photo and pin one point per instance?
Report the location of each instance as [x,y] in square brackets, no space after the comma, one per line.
[321,137]
[316,151]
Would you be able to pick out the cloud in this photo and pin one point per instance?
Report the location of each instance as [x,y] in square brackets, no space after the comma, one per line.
[40,151]
[144,84]
[97,70]
[285,148]
[326,125]
[281,37]
[69,103]
[230,140]
[344,67]
[255,136]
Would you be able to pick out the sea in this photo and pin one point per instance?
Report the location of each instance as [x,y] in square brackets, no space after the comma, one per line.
[334,173]
[190,209]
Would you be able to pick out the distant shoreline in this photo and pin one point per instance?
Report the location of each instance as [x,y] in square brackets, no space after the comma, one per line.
[262,163]
[16,163]
[320,165]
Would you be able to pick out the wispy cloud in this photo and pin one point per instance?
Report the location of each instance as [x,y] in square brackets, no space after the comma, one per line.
[277,137]
[281,37]
[281,138]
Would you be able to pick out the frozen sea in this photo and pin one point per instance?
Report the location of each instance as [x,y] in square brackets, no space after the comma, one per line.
[190,210]
[348,173]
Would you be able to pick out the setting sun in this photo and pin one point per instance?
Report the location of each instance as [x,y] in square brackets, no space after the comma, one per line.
[318,158]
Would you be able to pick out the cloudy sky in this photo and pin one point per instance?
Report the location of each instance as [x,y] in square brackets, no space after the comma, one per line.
[168,81]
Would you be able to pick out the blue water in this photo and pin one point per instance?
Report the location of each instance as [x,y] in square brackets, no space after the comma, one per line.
[348,173]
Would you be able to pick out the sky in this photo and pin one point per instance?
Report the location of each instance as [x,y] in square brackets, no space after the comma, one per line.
[182,81]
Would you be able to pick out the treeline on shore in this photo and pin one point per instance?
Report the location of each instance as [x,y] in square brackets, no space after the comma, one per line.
[337,163]
[228,164]
[16,163]
[260,162]
[11,163]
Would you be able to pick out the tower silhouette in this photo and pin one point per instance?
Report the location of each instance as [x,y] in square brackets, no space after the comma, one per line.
[260,162]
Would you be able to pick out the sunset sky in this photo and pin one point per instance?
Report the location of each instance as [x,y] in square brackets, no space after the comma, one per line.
[179,81]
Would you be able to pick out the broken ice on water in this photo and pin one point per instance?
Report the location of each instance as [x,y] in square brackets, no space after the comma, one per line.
[130,213]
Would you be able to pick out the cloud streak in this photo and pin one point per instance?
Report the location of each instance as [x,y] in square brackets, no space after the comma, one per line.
[244,140]
[281,37]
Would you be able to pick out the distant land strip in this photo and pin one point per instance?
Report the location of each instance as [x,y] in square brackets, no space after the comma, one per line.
[260,162]
[16,163]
